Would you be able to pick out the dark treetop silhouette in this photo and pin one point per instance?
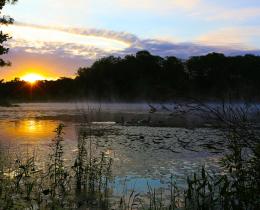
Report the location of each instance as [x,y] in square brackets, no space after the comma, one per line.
[148,77]
[4,37]
[4,20]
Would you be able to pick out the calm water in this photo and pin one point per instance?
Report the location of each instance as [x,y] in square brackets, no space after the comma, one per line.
[141,152]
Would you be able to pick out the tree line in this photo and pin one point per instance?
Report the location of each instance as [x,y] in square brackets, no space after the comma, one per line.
[144,76]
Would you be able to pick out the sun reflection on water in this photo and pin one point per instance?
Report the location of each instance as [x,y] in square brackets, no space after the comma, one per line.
[30,130]
[33,126]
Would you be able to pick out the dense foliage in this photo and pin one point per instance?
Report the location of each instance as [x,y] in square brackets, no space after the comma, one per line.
[145,76]
[4,20]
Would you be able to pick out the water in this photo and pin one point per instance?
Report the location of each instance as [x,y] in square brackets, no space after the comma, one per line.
[145,146]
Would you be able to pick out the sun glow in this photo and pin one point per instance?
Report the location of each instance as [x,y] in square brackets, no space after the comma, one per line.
[32,78]
[41,37]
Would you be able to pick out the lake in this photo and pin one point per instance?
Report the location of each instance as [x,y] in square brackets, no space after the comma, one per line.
[143,140]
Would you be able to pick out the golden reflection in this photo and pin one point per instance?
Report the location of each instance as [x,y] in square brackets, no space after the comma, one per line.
[30,130]
[33,126]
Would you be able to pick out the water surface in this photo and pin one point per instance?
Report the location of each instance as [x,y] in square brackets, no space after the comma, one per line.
[144,145]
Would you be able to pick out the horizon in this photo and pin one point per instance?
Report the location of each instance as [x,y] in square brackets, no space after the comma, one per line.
[33,76]
[58,44]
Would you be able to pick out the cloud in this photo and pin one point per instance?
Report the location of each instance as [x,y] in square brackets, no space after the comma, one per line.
[121,36]
[157,5]
[238,14]
[62,56]
[186,50]
[234,37]
[73,42]
[211,12]
[95,43]
[201,9]
[47,39]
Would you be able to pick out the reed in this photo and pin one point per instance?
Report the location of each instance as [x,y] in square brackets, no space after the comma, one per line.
[92,173]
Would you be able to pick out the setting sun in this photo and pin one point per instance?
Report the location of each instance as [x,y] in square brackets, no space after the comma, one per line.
[32,78]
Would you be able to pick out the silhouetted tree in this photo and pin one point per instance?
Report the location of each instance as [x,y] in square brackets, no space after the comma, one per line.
[4,20]
[144,76]
[174,76]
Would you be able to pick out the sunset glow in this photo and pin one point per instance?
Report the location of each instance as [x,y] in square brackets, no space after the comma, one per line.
[32,78]
[63,43]
[39,37]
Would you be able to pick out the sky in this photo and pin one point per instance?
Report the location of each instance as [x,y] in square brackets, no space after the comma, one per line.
[55,38]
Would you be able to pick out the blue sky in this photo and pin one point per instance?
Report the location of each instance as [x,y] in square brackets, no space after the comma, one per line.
[84,30]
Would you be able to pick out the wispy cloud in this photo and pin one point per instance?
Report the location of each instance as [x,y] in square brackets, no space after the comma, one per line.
[44,38]
[66,49]
[157,5]
[203,9]
[211,12]
[234,37]
[95,43]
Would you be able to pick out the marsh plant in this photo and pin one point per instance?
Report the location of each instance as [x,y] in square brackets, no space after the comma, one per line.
[24,185]
[57,176]
[241,159]
[238,187]
[92,174]
[19,183]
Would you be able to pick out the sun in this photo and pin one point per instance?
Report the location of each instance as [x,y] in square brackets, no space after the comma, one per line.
[32,78]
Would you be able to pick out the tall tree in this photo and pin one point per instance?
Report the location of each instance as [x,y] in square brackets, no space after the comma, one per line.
[4,20]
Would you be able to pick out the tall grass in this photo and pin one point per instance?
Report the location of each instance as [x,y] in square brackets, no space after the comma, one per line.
[84,185]
[57,176]
[92,174]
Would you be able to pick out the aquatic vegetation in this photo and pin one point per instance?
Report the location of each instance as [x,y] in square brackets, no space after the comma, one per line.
[92,174]
[57,174]
[89,184]
[24,186]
